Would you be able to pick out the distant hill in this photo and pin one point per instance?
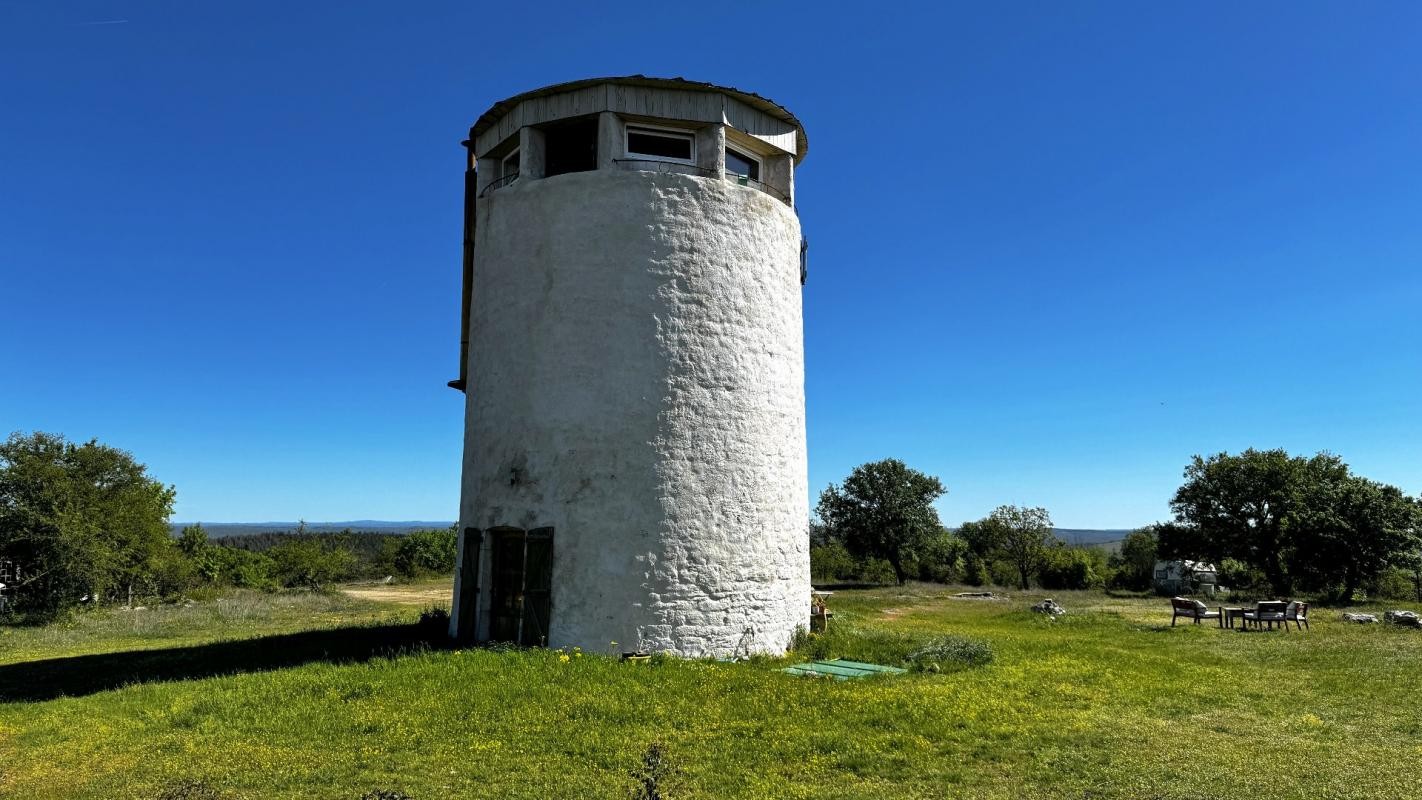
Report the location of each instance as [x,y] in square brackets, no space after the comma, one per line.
[1091,536]
[1076,536]
[220,529]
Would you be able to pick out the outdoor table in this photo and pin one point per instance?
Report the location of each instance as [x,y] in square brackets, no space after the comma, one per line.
[1228,614]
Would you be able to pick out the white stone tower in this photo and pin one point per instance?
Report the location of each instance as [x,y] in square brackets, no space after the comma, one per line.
[633,365]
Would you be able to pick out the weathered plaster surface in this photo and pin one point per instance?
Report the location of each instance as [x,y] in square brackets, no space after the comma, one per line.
[637,383]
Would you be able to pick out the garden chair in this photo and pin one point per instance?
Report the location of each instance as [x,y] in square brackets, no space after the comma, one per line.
[1296,613]
[1190,609]
[1267,612]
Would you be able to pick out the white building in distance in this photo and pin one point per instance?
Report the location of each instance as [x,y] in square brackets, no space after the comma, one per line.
[633,364]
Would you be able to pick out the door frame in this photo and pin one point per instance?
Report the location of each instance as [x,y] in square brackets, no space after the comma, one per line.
[484,591]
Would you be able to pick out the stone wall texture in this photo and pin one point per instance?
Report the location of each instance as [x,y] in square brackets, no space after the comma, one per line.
[637,383]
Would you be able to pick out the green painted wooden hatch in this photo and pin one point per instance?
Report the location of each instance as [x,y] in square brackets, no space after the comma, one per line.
[842,670]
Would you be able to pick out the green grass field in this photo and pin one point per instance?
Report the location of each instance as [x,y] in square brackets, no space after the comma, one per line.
[289,697]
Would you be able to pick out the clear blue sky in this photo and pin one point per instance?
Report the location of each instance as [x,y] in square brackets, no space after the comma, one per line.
[1057,248]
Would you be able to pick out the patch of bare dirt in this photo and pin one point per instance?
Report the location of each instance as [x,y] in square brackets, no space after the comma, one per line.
[420,594]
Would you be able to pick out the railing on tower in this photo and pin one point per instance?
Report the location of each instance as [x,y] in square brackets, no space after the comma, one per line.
[657,165]
[746,180]
[499,183]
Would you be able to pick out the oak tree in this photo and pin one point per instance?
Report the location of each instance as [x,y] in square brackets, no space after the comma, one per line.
[884,509]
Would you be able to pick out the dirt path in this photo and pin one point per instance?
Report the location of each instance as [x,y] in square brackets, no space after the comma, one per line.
[425,593]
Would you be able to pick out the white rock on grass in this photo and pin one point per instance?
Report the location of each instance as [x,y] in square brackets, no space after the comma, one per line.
[1049,607]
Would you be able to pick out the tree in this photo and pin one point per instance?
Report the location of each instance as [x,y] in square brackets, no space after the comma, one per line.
[1410,560]
[1010,538]
[192,540]
[883,510]
[1175,541]
[1248,506]
[1350,531]
[940,557]
[84,520]
[1022,537]
[1306,522]
[1135,561]
[209,561]
[980,538]
[980,545]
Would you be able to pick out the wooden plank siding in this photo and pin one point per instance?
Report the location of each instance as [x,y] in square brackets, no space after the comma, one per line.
[674,104]
[753,122]
[683,105]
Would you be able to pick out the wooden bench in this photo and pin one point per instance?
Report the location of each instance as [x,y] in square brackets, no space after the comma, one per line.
[1190,609]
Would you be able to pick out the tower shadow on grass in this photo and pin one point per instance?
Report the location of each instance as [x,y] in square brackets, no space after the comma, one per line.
[77,676]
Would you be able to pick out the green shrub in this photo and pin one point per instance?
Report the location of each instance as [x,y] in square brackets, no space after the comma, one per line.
[170,573]
[229,566]
[310,563]
[950,652]
[831,562]
[1002,573]
[249,570]
[878,570]
[940,558]
[1072,568]
[1394,584]
[975,570]
[426,552]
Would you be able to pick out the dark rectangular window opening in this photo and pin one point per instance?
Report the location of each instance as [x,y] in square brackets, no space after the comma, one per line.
[742,164]
[570,146]
[653,143]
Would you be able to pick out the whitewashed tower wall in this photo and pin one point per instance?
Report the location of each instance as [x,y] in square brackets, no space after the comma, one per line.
[634,374]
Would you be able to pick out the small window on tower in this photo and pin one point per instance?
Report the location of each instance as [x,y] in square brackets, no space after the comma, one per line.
[742,164]
[510,165]
[662,145]
[570,145]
